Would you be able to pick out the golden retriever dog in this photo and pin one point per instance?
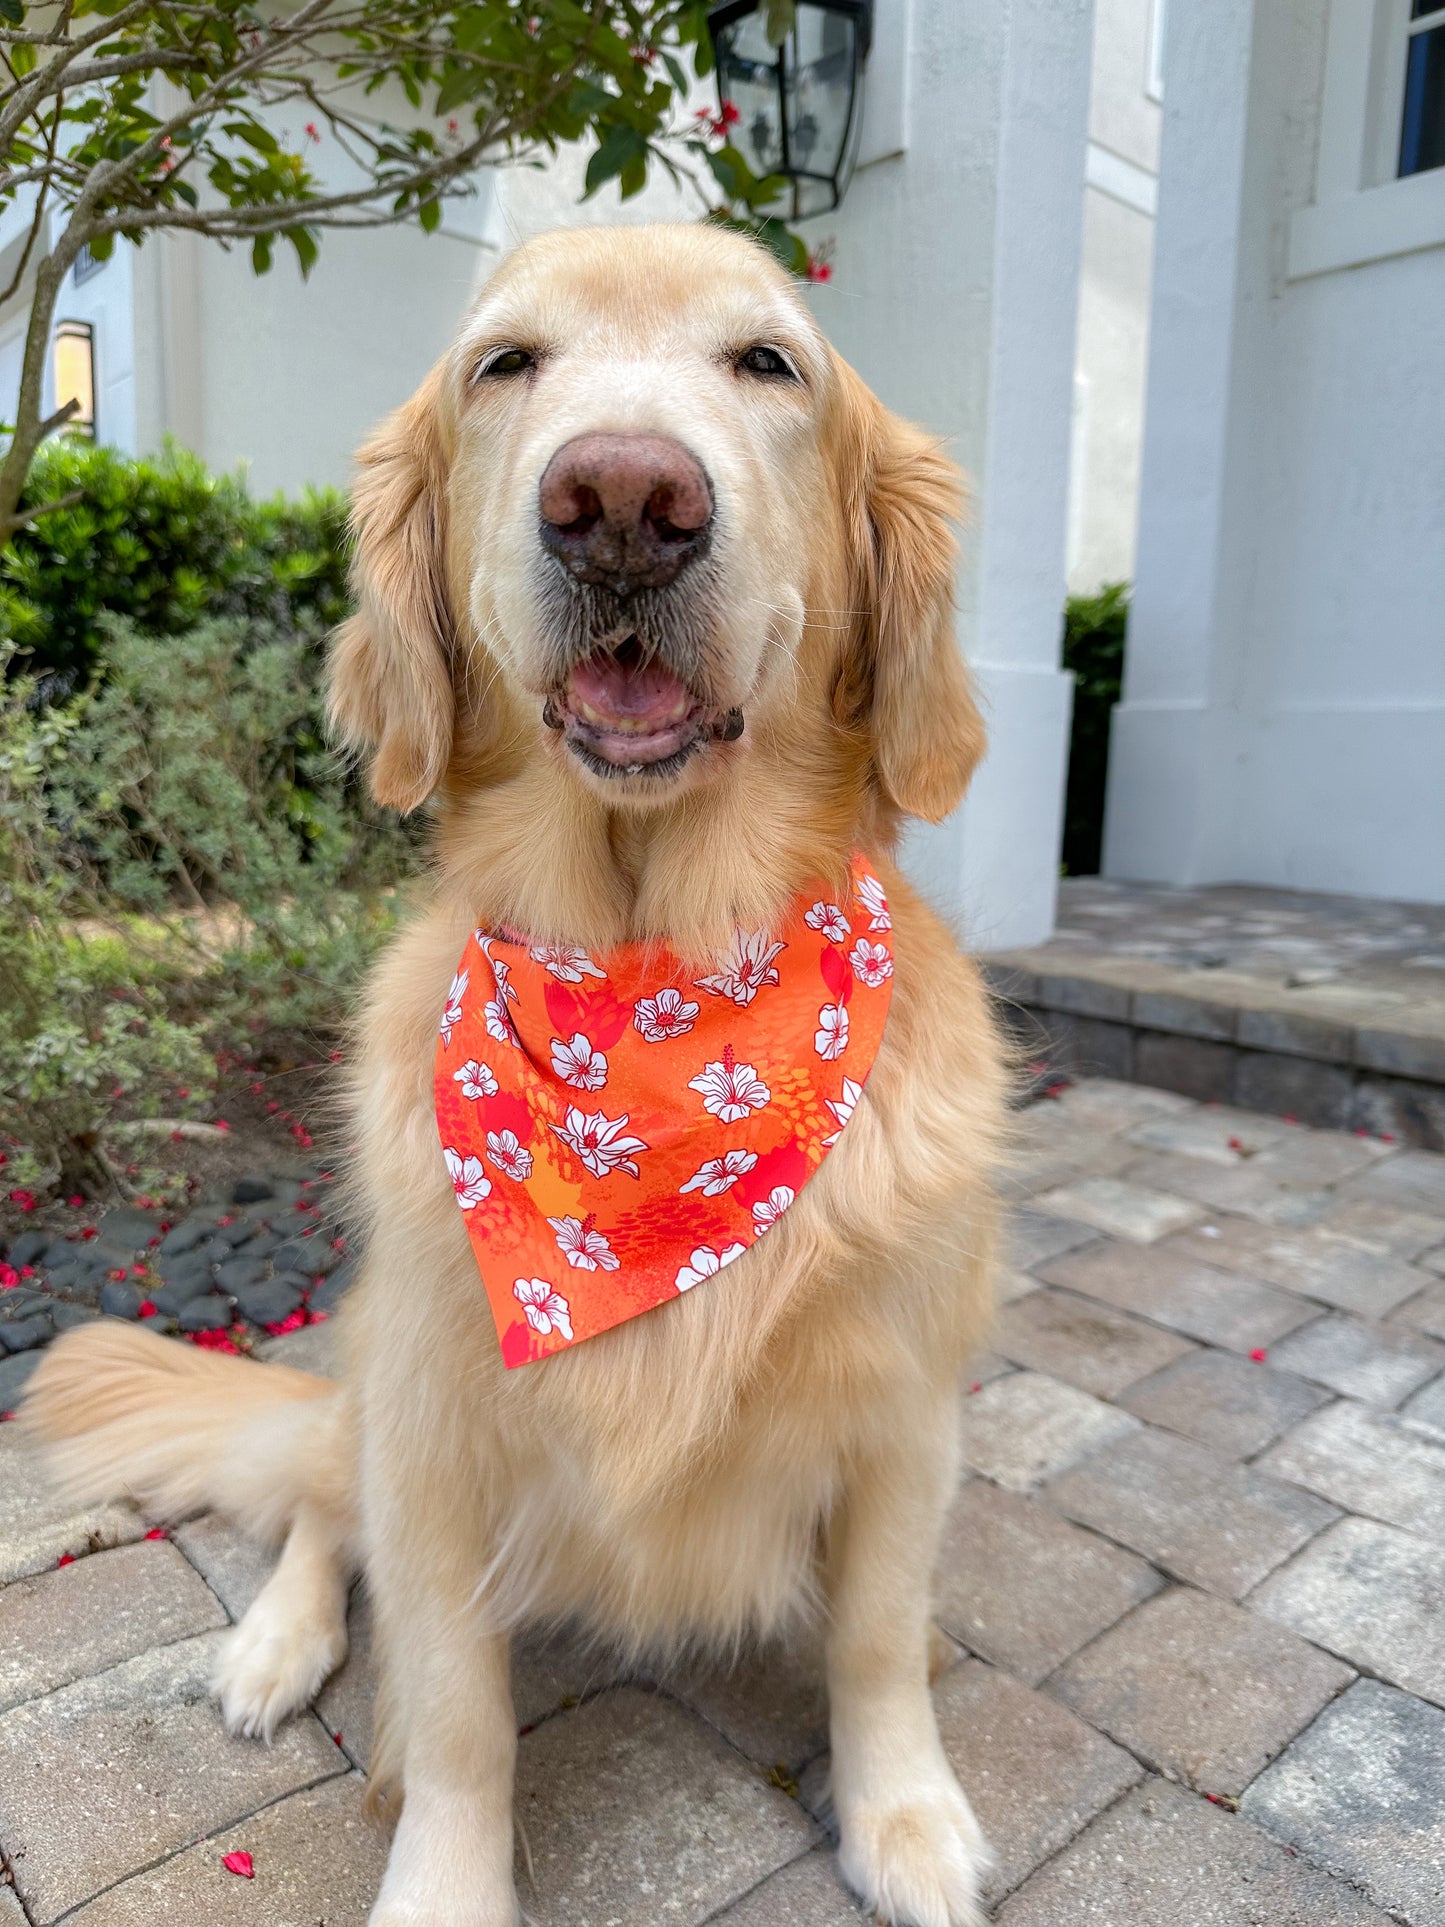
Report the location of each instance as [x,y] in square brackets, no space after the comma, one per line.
[655,616]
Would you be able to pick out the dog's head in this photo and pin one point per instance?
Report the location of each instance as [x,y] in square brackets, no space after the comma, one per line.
[638,521]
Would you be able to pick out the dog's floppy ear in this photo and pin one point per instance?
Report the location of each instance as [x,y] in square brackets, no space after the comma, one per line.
[905,680]
[390,668]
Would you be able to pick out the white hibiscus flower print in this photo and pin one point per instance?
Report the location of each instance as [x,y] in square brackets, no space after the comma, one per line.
[828,920]
[475,1079]
[730,1090]
[499,1022]
[584,1248]
[596,1141]
[871,963]
[576,1063]
[768,1210]
[706,1263]
[870,895]
[567,963]
[469,1180]
[749,968]
[843,1108]
[830,1039]
[511,1157]
[714,1177]
[668,1014]
[452,1015]
[547,1310]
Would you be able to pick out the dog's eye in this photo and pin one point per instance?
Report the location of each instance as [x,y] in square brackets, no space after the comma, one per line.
[767,362]
[505,361]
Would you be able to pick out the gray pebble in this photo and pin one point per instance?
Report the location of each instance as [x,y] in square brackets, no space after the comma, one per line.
[268,1304]
[251,1188]
[24,1334]
[120,1298]
[189,1233]
[314,1256]
[27,1247]
[327,1295]
[208,1314]
[13,1374]
[66,1317]
[236,1272]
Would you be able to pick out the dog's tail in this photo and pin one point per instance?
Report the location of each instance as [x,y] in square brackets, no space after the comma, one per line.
[124,1414]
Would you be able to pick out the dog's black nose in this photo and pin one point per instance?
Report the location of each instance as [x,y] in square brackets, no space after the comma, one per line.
[627,511]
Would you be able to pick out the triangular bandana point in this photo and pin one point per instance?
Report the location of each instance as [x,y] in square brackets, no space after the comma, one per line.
[619,1129]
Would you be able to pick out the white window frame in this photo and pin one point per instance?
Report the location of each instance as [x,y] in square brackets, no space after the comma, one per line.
[1154,62]
[1361,212]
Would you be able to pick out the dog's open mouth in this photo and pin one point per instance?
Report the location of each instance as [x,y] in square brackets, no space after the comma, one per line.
[625,713]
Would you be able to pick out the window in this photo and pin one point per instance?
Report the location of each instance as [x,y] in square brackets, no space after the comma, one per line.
[1380,176]
[75,373]
[1422,117]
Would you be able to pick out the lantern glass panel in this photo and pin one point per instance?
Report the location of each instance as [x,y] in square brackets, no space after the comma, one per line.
[798,109]
[75,373]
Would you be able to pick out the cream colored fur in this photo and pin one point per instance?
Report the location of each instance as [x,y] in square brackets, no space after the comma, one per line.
[783,1440]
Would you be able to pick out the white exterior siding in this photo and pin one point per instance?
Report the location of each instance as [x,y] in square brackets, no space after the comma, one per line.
[1284,712]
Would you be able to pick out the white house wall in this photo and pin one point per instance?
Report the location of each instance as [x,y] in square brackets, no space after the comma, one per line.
[1284,712]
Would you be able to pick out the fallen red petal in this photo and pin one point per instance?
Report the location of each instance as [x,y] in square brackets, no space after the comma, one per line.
[66,1559]
[146,1309]
[1259,1354]
[158,1532]
[5,1417]
[239,1863]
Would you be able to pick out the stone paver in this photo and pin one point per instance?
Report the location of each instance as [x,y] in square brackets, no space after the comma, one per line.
[1001,1550]
[1034,1237]
[1315,1263]
[1373,1594]
[36,1528]
[773,1707]
[1384,1227]
[86,1617]
[11,1912]
[318,1863]
[807,1893]
[1212,1132]
[637,1811]
[1166,1858]
[1372,1363]
[1425,1312]
[1161,1283]
[1427,1407]
[1361,1793]
[1026,1427]
[1199,1516]
[1372,1462]
[1249,1188]
[235,1568]
[1411,1181]
[1121,1209]
[1034,1773]
[107,1775]
[1087,1344]
[1202,1690]
[1235,1404]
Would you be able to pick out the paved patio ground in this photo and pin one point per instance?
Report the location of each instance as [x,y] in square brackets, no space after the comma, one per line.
[1328,1007]
[1195,1579]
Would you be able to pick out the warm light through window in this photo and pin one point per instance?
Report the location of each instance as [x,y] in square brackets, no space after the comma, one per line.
[75,373]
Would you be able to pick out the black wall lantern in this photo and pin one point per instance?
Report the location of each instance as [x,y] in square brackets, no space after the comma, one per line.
[800,105]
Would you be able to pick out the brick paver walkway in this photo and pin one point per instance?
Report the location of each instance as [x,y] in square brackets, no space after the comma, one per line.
[1195,1578]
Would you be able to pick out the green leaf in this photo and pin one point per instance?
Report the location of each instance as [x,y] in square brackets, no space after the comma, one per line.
[620,145]
[429,214]
[12,12]
[307,251]
[261,254]
[23,58]
[779,17]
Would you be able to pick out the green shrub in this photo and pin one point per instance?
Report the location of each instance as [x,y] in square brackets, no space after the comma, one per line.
[165,545]
[1094,633]
[183,864]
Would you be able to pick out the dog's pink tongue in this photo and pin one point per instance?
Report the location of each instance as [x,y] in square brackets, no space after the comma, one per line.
[613,696]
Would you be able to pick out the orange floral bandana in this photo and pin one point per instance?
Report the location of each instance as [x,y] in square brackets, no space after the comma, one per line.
[617,1130]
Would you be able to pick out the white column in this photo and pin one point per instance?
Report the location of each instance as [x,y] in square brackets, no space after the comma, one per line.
[1168,760]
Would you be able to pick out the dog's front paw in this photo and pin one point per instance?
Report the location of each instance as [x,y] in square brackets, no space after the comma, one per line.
[273,1665]
[916,1856]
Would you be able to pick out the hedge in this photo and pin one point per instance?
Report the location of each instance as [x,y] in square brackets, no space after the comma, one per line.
[1095,627]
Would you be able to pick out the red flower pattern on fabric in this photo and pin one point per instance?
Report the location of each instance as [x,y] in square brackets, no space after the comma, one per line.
[649,1122]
